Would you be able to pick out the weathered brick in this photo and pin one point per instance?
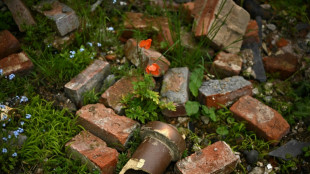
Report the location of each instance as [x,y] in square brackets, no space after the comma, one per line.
[115,130]
[140,22]
[216,158]
[284,64]
[91,78]
[93,152]
[214,93]
[16,63]
[231,23]
[8,44]
[112,97]
[143,57]
[20,13]
[227,64]
[175,89]
[251,34]
[64,17]
[262,119]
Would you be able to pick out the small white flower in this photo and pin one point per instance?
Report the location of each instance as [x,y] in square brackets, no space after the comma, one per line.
[71,56]
[114,1]
[1,72]
[99,44]
[82,49]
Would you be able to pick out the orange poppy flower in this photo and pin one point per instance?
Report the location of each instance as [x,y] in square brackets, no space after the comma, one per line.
[153,69]
[145,43]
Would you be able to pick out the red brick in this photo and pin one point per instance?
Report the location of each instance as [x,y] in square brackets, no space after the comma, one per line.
[228,32]
[143,57]
[216,158]
[112,97]
[214,93]
[227,64]
[282,42]
[93,152]
[90,78]
[21,13]
[251,34]
[262,119]
[115,130]
[8,44]
[284,64]
[16,63]
[140,22]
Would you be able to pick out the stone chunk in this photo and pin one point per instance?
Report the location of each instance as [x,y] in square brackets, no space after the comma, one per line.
[227,64]
[8,44]
[115,130]
[91,78]
[289,150]
[214,93]
[143,23]
[141,57]
[21,13]
[16,63]
[175,89]
[262,119]
[216,158]
[284,64]
[93,152]
[222,21]
[64,17]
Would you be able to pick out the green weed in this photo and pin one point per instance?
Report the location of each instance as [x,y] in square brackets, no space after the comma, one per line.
[143,104]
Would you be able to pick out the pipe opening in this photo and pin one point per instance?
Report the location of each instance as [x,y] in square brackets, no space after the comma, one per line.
[132,171]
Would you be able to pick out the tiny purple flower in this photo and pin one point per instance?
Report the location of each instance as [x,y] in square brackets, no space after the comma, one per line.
[1,72]
[4,139]
[14,154]
[4,150]
[22,123]
[23,99]
[28,116]
[9,136]
[90,44]
[11,76]
[3,125]
[99,44]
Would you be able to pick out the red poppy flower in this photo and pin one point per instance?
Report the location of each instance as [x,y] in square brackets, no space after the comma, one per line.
[145,43]
[153,69]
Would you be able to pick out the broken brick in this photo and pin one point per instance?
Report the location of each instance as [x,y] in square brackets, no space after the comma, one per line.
[225,29]
[20,13]
[262,119]
[251,34]
[91,78]
[8,44]
[16,63]
[214,93]
[216,158]
[93,152]
[64,17]
[143,57]
[115,130]
[112,97]
[227,64]
[175,89]
[140,22]
[284,64]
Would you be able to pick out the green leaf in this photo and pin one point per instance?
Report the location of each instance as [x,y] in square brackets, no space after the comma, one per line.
[210,112]
[222,130]
[196,80]
[192,107]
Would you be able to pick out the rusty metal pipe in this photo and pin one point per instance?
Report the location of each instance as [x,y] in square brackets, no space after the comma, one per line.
[162,144]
